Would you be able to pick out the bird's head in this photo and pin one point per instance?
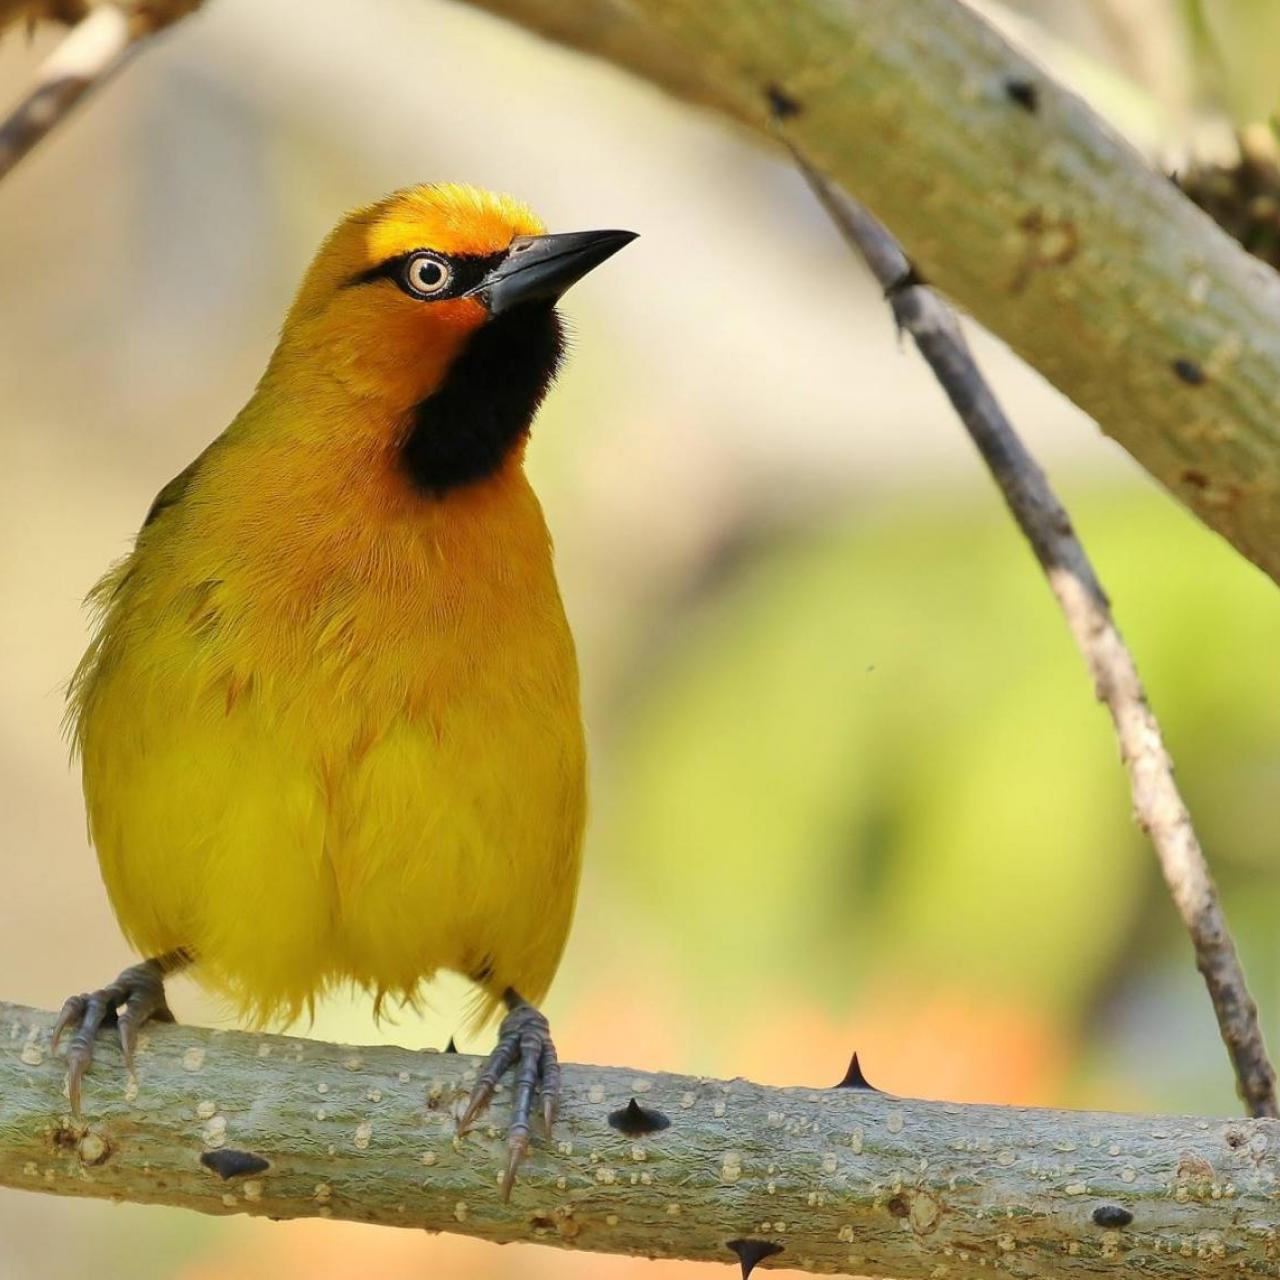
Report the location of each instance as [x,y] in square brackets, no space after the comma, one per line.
[435,308]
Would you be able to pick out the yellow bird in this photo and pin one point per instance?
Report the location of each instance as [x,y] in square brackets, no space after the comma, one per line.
[329,721]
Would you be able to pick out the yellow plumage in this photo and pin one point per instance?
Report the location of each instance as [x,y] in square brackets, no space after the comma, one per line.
[330,726]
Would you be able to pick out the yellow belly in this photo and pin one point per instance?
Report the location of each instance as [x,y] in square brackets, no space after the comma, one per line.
[307,776]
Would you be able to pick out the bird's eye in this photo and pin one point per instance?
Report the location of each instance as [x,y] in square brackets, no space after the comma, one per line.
[425,275]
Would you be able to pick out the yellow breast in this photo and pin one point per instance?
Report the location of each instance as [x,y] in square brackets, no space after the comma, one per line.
[330,728]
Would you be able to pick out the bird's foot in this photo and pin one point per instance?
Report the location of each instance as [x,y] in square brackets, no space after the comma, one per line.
[524,1041]
[135,998]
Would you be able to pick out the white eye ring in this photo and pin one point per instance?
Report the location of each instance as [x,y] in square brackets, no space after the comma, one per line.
[426,275]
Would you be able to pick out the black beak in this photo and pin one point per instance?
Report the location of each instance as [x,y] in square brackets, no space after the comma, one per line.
[541,268]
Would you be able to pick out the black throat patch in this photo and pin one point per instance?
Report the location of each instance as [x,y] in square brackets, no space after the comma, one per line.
[465,430]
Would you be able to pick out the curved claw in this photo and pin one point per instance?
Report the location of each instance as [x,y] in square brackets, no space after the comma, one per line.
[524,1039]
[134,998]
[549,1074]
[495,1067]
[72,1011]
[517,1149]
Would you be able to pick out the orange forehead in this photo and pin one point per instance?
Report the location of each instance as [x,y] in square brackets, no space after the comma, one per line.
[450,219]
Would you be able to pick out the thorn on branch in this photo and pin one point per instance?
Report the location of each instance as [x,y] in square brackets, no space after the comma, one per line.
[1112,1215]
[636,1121]
[752,1252]
[782,106]
[854,1079]
[1024,92]
[909,279]
[451,1047]
[228,1163]
[1190,372]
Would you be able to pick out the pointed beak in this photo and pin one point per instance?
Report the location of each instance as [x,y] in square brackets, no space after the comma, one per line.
[541,268]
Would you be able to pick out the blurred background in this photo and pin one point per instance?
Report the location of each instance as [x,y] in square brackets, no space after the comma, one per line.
[851,788]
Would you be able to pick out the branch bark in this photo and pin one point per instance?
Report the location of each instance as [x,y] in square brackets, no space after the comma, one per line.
[848,1181]
[1014,198]
[1044,521]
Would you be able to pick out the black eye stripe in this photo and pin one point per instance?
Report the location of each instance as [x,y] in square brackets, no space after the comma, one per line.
[468,270]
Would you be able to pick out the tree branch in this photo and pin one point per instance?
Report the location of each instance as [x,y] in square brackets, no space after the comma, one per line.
[846,1180]
[1014,198]
[94,50]
[1044,521]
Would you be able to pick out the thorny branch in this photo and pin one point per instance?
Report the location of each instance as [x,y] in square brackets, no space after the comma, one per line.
[96,48]
[841,1180]
[1157,804]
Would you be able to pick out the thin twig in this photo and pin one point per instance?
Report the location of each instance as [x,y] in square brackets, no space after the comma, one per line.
[1158,806]
[92,52]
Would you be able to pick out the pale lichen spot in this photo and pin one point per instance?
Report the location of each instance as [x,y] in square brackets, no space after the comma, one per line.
[363,1135]
[32,1054]
[565,1148]
[322,1192]
[252,1189]
[403,1077]
[895,1121]
[606,1175]
[674,1210]
[856,1139]
[924,1213]
[321,1113]
[264,1051]
[374,1095]
[829,1162]
[1076,1188]
[215,1131]
[460,1209]
[29,1169]
[322,1087]
[611,1219]
[1128,1173]
[687,1100]
[641,1085]
[228,1199]
[1005,1157]
[353,1062]
[562,1183]
[595,1093]
[206,1108]
[92,1148]
[845,1234]
[638,1153]
[731,1166]
[428,1157]
[193,1059]
[719,1108]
